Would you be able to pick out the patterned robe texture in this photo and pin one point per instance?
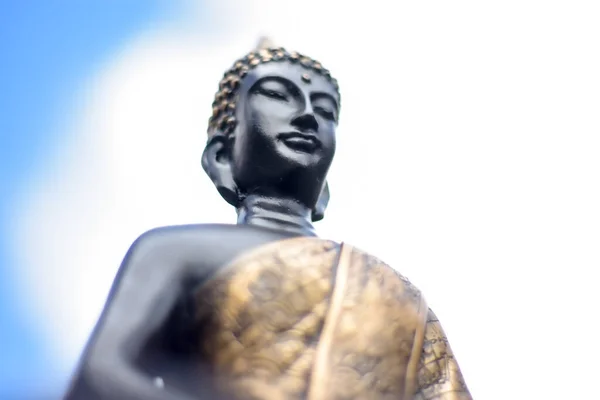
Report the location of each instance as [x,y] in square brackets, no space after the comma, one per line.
[308,318]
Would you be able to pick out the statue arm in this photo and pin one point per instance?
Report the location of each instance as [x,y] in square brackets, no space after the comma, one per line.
[438,374]
[144,292]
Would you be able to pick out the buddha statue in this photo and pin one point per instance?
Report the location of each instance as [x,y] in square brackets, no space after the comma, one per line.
[265,309]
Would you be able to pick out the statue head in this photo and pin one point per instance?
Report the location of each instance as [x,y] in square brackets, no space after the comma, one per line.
[272,131]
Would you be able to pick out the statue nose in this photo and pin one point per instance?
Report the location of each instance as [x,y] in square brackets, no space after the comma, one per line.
[306,121]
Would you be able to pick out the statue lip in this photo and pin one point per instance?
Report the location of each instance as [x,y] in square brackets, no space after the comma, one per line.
[300,140]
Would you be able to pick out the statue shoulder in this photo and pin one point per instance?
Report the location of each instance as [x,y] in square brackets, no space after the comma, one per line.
[196,251]
[187,241]
[388,277]
[211,237]
[169,234]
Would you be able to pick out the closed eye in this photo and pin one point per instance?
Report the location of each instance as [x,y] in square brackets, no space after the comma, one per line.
[325,113]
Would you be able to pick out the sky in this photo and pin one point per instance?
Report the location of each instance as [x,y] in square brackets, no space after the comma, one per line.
[49,49]
[467,159]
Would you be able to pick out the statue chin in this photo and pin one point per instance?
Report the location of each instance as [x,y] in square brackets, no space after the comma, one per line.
[265,309]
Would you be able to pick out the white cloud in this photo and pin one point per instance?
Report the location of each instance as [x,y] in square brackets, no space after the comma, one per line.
[468,160]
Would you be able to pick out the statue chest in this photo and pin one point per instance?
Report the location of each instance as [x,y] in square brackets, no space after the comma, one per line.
[310,318]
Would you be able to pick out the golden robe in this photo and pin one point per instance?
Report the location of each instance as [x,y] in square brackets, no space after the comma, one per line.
[308,318]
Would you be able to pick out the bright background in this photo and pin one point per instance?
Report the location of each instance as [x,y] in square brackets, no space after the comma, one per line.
[468,159]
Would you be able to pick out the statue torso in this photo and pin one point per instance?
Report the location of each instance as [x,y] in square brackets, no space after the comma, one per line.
[272,316]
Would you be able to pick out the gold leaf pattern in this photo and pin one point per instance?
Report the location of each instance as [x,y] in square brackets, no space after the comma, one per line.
[310,318]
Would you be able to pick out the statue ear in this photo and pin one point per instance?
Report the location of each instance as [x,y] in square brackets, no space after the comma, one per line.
[216,161]
[319,211]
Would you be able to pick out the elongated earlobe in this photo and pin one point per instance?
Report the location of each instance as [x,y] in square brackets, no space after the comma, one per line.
[216,161]
[319,210]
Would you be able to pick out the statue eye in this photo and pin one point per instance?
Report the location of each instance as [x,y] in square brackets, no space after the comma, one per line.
[274,94]
[325,113]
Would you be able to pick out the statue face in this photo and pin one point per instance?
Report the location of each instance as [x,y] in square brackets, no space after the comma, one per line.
[284,142]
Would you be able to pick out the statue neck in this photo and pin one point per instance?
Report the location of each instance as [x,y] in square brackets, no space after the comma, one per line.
[282,214]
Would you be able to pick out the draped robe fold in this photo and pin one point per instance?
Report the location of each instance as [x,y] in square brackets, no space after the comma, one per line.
[307,318]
